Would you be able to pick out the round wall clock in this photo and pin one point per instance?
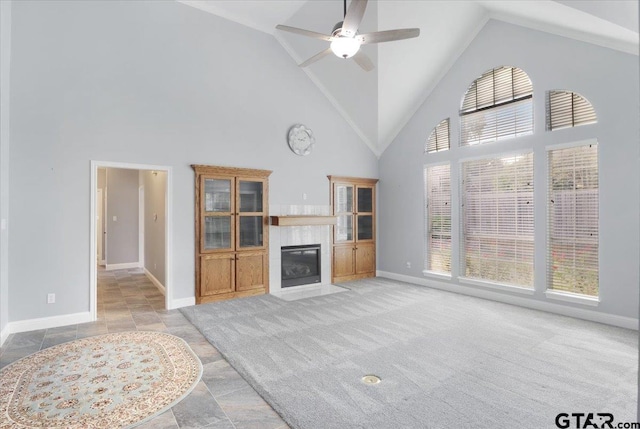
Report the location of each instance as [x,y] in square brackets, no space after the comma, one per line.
[301,140]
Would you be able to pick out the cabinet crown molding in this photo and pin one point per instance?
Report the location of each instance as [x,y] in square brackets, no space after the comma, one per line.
[230,171]
[353,180]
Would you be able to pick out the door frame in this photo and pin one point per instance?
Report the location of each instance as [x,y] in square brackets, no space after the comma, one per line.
[99,232]
[93,272]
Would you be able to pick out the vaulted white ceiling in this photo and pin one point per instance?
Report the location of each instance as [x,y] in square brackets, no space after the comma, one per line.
[379,103]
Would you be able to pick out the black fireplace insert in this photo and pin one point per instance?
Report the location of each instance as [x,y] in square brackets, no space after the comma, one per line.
[300,265]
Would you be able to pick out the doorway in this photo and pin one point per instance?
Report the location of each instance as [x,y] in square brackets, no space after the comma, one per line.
[111,215]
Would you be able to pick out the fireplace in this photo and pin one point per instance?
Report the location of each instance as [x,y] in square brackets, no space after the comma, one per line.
[300,265]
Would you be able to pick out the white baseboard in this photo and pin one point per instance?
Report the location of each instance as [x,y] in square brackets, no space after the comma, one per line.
[181,302]
[4,334]
[124,266]
[564,310]
[48,322]
[155,281]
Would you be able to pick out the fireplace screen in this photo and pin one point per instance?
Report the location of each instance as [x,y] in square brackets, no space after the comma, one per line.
[300,265]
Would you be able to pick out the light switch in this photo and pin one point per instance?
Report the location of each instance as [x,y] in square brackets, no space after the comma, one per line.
[3,224]
[115,218]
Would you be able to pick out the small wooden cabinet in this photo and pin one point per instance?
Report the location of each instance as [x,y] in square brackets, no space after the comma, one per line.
[353,203]
[232,233]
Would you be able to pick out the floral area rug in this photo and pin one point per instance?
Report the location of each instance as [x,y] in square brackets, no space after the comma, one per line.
[108,381]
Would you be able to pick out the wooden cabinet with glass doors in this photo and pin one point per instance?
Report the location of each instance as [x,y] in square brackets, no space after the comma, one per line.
[353,203]
[232,258]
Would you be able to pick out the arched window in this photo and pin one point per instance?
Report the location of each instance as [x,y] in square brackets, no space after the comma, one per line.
[439,138]
[568,109]
[497,105]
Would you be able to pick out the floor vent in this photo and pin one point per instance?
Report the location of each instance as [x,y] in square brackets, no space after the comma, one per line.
[371,379]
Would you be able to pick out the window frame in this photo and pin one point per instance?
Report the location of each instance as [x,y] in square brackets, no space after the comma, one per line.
[557,294]
[427,221]
[500,106]
[462,277]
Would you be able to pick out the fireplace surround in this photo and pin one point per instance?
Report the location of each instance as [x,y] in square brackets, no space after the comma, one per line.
[282,236]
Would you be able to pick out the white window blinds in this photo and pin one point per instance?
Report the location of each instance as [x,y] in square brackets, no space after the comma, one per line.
[568,109]
[438,219]
[497,220]
[497,105]
[439,138]
[572,260]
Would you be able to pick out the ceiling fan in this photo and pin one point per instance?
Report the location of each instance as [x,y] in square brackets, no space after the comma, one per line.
[345,40]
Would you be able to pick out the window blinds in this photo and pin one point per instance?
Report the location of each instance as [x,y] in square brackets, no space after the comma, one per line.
[497,220]
[438,219]
[439,138]
[568,109]
[572,260]
[497,105]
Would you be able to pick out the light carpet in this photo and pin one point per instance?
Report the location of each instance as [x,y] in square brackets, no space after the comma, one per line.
[445,360]
[108,381]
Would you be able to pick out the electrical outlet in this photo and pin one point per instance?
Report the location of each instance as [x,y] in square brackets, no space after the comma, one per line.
[51,298]
[304,195]
[408,264]
[155,265]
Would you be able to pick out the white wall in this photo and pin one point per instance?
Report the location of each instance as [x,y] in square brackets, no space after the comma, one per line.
[155,197]
[607,78]
[122,216]
[5,61]
[151,83]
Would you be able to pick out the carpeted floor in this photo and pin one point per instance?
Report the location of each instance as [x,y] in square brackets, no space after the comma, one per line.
[446,360]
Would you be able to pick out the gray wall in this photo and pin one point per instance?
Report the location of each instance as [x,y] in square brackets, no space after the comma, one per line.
[155,83]
[122,203]
[5,60]
[155,191]
[609,79]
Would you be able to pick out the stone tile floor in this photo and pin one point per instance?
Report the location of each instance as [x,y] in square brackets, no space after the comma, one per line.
[128,301]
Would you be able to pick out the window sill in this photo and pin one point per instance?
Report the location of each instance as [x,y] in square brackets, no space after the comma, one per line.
[573,297]
[497,286]
[436,275]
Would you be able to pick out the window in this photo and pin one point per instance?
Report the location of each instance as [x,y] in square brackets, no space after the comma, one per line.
[567,109]
[497,105]
[497,220]
[439,138]
[572,260]
[438,210]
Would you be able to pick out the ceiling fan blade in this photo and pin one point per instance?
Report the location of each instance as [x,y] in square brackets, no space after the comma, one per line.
[307,33]
[363,61]
[353,18]
[316,57]
[388,35]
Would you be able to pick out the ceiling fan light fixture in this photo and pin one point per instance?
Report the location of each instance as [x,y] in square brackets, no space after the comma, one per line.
[345,47]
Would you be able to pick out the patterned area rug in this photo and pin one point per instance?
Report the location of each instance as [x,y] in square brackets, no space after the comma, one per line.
[109,381]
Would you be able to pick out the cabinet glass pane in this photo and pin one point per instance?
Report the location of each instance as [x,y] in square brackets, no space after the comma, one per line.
[217,195]
[344,228]
[217,232]
[344,198]
[250,196]
[365,200]
[365,227]
[250,231]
